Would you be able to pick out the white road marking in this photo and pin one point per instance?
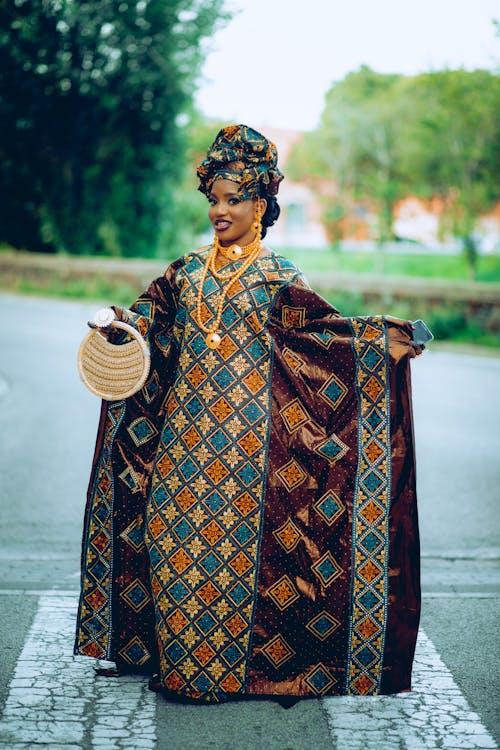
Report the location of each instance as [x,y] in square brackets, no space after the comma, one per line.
[435,715]
[57,701]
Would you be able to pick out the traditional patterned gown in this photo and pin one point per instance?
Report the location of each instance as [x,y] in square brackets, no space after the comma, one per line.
[251,522]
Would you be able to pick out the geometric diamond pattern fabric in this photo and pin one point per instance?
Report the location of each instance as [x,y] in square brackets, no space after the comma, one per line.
[320,679]
[330,507]
[323,625]
[294,415]
[237,525]
[327,569]
[278,651]
[207,490]
[370,511]
[333,449]
[333,391]
[94,632]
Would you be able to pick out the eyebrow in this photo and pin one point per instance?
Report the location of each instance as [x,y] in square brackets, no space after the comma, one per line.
[226,195]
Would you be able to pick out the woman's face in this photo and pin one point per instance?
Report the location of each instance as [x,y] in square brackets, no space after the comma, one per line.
[230,215]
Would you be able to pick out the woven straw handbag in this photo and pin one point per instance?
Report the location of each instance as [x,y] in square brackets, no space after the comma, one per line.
[113,371]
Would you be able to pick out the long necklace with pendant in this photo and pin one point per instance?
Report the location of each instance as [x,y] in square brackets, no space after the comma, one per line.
[250,252]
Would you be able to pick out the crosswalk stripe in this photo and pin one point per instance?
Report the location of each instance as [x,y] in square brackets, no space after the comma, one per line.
[434,715]
[58,700]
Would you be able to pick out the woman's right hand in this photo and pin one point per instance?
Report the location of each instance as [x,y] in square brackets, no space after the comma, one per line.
[102,318]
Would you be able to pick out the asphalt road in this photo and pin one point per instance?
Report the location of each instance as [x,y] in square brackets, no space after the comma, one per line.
[47,424]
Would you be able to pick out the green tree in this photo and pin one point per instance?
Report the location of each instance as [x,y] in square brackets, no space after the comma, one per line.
[452,147]
[384,136]
[189,210]
[91,134]
[359,144]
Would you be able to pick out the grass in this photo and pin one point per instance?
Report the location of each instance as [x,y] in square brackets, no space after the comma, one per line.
[423,265]
[98,288]
[448,321]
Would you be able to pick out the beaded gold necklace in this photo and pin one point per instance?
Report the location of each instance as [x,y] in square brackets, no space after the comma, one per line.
[250,252]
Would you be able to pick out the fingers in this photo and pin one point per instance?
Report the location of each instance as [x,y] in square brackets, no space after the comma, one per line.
[102,318]
[416,350]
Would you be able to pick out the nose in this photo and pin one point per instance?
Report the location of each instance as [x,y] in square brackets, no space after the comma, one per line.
[220,209]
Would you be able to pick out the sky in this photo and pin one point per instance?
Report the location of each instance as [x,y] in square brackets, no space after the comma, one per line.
[273,63]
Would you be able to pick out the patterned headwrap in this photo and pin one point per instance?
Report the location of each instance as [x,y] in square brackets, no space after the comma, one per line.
[245,156]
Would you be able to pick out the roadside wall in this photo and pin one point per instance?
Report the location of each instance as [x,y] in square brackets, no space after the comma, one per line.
[405,296]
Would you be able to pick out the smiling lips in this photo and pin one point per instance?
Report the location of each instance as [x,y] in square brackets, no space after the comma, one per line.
[220,225]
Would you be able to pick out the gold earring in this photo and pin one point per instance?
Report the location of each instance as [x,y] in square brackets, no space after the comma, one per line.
[257,223]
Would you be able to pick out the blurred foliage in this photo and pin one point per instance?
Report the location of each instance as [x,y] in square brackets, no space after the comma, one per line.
[95,103]
[453,148]
[397,263]
[382,137]
[190,217]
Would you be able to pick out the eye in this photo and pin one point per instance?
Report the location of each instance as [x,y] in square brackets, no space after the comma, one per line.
[233,201]
[212,201]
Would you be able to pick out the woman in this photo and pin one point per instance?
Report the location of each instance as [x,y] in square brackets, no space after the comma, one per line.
[251,524]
